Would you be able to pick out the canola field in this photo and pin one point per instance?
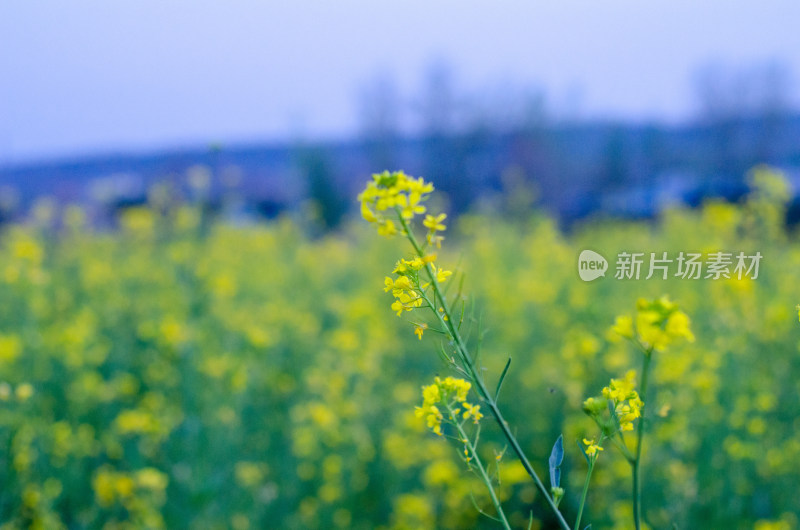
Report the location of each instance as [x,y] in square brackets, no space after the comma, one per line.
[182,372]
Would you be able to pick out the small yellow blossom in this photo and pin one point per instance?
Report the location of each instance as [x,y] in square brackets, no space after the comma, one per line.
[658,323]
[367,213]
[110,485]
[678,326]
[387,228]
[410,205]
[591,447]
[433,418]
[442,275]
[404,266]
[24,391]
[472,411]
[623,326]
[151,479]
[10,348]
[453,385]
[398,307]
[403,283]
[406,295]
[434,239]
[431,394]
[419,329]
[434,224]
[400,267]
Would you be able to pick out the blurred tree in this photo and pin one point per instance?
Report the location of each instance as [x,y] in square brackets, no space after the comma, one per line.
[614,168]
[773,89]
[379,110]
[9,203]
[438,104]
[443,155]
[745,111]
[718,110]
[329,200]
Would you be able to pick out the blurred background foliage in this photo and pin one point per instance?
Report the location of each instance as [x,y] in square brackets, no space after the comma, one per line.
[186,371]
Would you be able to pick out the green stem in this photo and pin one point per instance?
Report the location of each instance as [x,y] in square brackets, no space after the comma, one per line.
[622,449]
[636,464]
[445,318]
[585,492]
[484,475]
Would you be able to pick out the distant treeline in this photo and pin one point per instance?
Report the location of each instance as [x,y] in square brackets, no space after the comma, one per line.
[570,170]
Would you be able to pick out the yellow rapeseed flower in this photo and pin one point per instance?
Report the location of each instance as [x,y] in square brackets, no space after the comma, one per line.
[24,391]
[625,400]
[591,447]
[472,411]
[454,385]
[387,191]
[387,228]
[10,348]
[151,479]
[449,391]
[410,205]
[658,323]
[623,326]
[434,224]
[678,326]
[442,275]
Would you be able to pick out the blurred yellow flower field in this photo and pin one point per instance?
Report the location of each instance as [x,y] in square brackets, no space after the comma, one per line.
[187,373]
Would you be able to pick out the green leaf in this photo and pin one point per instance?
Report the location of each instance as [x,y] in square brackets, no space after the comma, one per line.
[556,458]
[479,346]
[502,378]
[443,354]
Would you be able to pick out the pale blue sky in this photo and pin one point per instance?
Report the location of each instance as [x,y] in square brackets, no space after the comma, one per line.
[92,76]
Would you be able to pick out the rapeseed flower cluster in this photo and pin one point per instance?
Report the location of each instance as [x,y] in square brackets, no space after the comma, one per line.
[407,294]
[393,191]
[625,400]
[408,288]
[450,394]
[658,323]
[391,200]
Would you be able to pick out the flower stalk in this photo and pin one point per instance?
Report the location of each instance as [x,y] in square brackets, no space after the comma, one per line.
[471,454]
[658,324]
[585,492]
[446,320]
[391,201]
[637,460]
